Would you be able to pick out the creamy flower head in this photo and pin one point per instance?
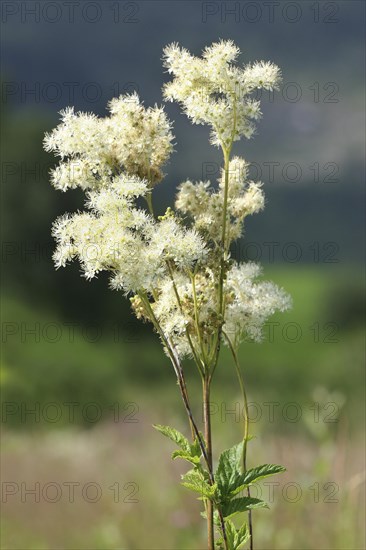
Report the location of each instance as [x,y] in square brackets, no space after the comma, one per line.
[132,139]
[262,74]
[178,244]
[214,90]
[251,302]
[140,139]
[201,202]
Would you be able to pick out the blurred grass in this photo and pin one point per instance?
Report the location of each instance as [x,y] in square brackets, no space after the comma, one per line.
[317,504]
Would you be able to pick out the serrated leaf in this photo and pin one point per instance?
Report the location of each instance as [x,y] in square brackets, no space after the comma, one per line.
[228,468]
[230,533]
[242,535]
[175,436]
[265,470]
[242,504]
[194,481]
[253,475]
[235,537]
[195,448]
[231,481]
[186,456]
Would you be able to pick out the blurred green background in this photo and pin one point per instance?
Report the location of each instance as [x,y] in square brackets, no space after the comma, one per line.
[82,381]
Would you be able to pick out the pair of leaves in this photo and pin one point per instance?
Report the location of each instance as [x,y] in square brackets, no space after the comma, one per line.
[231,481]
[235,537]
[188,451]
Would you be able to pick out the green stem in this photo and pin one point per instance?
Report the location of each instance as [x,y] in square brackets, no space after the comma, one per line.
[184,393]
[179,374]
[246,425]
[196,315]
[193,349]
[208,439]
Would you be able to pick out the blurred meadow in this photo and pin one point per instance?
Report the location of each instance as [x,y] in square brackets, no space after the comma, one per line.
[83,382]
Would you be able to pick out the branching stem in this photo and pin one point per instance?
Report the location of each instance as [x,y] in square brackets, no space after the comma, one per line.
[184,393]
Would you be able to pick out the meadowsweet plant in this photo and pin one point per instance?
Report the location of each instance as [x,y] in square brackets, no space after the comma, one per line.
[176,269]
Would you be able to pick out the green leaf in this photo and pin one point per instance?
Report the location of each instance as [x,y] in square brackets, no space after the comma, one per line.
[238,537]
[242,535]
[188,451]
[195,448]
[228,469]
[175,436]
[194,481]
[186,456]
[235,537]
[242,504]
[265,470]
[230,534]
[253,475]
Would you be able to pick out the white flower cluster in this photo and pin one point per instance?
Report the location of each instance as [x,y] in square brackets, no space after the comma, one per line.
[93,150]
[250,303]
[126,241]
[214,90]
[181,277]
[205,206]
[116,160]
